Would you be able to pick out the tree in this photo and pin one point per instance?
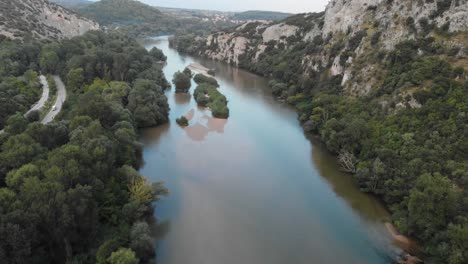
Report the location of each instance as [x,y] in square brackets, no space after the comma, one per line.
[123,256]
[141,240]
[19,150]
[431,203]
[148,104]
[33,116]
[458,237]
[105,250]
[181,82]
[347,161]
[75,79]
[157,54]
[49,61]
[16,124]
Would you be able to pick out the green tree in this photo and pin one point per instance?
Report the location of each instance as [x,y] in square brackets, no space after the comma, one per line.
[157,54]
[49,61]
[431,204]
[182,82]
[123,256]
[75,79]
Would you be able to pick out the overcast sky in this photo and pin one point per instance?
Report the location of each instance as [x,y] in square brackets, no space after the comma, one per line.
[291,6]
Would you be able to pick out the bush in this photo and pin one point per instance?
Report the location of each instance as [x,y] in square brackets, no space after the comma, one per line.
[105,250]
[207,95]
[201,78]
[182,82]
[182,121]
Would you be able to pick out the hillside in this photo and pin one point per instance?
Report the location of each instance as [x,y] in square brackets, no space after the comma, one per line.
[107,12]
[385,87]
[72,3]
[137,19]
[260,15]
[40,19]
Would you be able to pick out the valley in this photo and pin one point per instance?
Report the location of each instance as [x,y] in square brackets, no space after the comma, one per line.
[133,133]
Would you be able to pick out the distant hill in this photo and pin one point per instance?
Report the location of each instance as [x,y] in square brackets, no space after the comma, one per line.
[72,3]
[40,19]
[260,15]
[129,12]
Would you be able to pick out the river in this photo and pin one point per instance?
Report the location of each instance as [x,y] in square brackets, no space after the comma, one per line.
[254,189]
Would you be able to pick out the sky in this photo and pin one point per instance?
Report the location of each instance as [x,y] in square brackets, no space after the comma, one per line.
[288,6]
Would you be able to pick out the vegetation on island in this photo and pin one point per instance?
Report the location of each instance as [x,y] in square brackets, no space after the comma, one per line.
[208,95]
[201,78]
[182,121]
[70,191]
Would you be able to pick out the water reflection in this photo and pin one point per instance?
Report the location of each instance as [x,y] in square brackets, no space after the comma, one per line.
[207,124]
[344,185]
[182,98]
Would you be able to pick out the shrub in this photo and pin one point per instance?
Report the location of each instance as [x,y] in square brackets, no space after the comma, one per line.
[200,78]
[182,121]
[207,95]
[181,81]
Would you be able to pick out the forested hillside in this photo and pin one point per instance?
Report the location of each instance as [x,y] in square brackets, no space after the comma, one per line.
[138,19]
[260,15]
[70,191]
[386,89]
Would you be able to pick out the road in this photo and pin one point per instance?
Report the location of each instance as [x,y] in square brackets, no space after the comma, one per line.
[61,97]
[45,95]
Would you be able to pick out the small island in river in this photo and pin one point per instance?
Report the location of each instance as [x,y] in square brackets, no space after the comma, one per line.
[207,94]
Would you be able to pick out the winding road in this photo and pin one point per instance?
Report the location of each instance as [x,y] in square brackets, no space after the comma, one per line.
[61,97]
[45,95]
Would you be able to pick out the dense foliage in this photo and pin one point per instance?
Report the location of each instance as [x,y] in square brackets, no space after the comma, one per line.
[208,95]
[182,121]
[201,78]
[260,15]
[182,81]
[138,19]
[413,157]
[17,94]
[70,191]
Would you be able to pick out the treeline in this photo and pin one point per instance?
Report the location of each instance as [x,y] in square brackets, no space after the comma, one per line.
[137,19]
[70,191]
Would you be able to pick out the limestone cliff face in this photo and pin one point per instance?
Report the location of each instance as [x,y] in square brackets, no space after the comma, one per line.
[40,19]
[346,33]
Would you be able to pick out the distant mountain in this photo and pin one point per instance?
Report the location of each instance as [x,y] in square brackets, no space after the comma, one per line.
[72,3]
[260,15]
[40,19]
[129,12]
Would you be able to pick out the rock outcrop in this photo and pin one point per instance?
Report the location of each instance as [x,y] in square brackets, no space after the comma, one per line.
[40,19]
[336,40]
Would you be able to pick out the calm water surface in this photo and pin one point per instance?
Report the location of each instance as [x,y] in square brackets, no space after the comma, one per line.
[254,189]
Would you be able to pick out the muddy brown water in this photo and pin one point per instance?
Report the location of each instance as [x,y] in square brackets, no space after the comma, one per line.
[254,188]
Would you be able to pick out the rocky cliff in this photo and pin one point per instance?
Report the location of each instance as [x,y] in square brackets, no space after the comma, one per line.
[40,19]
[338,41]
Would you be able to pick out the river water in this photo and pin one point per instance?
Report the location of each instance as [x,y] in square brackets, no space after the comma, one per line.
[254,189]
